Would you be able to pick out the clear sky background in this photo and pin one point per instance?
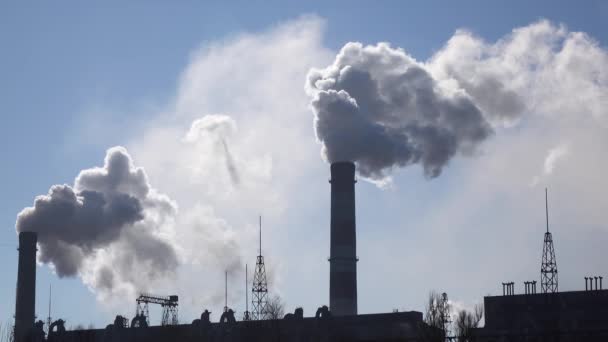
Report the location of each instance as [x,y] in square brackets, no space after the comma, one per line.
[78,79]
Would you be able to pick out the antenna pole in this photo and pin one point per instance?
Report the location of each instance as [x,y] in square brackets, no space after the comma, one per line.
[547,209]
[246,314]
[49,317]
[260,234]
[226,291]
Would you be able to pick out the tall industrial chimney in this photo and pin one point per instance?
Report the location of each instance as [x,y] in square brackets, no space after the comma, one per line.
[343,249]
[25,305]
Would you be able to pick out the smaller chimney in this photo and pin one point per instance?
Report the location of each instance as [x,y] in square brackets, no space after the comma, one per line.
[596,283]
[508,289]
[25,303]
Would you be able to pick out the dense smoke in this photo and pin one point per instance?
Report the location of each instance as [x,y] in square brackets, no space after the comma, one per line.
[379,107]
[107,227]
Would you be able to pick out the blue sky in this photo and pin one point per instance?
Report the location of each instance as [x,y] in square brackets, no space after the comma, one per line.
[69,71]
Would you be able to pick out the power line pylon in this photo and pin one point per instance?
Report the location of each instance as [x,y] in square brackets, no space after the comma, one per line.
[259,289]
[548,268]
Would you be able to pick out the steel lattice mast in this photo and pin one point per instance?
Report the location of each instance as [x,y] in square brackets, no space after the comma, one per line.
[548,269]
[259,288]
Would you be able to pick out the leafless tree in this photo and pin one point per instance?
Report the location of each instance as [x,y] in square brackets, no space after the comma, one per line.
[466,321]
[432,316]
[275,308]
[436,318]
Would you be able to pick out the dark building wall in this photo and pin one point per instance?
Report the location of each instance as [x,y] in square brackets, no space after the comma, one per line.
[564,310]
[343,246]
[25,303]
[563,316]
[402,326]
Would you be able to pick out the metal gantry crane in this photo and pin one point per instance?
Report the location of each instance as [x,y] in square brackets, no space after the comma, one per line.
[168,304]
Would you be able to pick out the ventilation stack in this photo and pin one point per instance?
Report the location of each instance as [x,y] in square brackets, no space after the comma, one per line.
[343,246]
[25,305]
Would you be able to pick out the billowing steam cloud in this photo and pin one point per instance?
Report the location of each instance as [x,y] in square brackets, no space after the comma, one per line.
[379,107]
[109,223]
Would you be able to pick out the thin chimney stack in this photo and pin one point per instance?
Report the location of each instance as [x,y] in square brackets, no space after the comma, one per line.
[25,304]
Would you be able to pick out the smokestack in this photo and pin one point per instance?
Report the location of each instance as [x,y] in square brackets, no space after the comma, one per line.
[343,249]
[26,285]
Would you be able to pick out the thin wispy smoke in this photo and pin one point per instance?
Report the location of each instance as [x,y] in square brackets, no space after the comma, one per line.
[553,157]
[230,165]
[110,214]
[213,130]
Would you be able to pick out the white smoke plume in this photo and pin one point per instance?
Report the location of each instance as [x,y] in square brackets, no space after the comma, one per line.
[109,228]
[379,107]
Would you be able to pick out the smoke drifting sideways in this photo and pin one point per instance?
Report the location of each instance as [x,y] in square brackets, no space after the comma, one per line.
[107,228]
[213,130]
[380,108]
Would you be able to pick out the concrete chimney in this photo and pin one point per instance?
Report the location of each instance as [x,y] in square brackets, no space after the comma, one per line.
[25,305]
[343,249]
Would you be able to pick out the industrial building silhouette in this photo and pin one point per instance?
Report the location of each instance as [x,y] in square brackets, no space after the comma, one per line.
[546,316]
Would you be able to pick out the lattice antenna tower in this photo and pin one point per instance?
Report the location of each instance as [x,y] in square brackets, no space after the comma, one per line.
[548,268]
[259,289]
[246,314]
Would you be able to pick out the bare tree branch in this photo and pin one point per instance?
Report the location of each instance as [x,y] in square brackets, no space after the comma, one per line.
[466,321]
[275,308]
[437,311]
